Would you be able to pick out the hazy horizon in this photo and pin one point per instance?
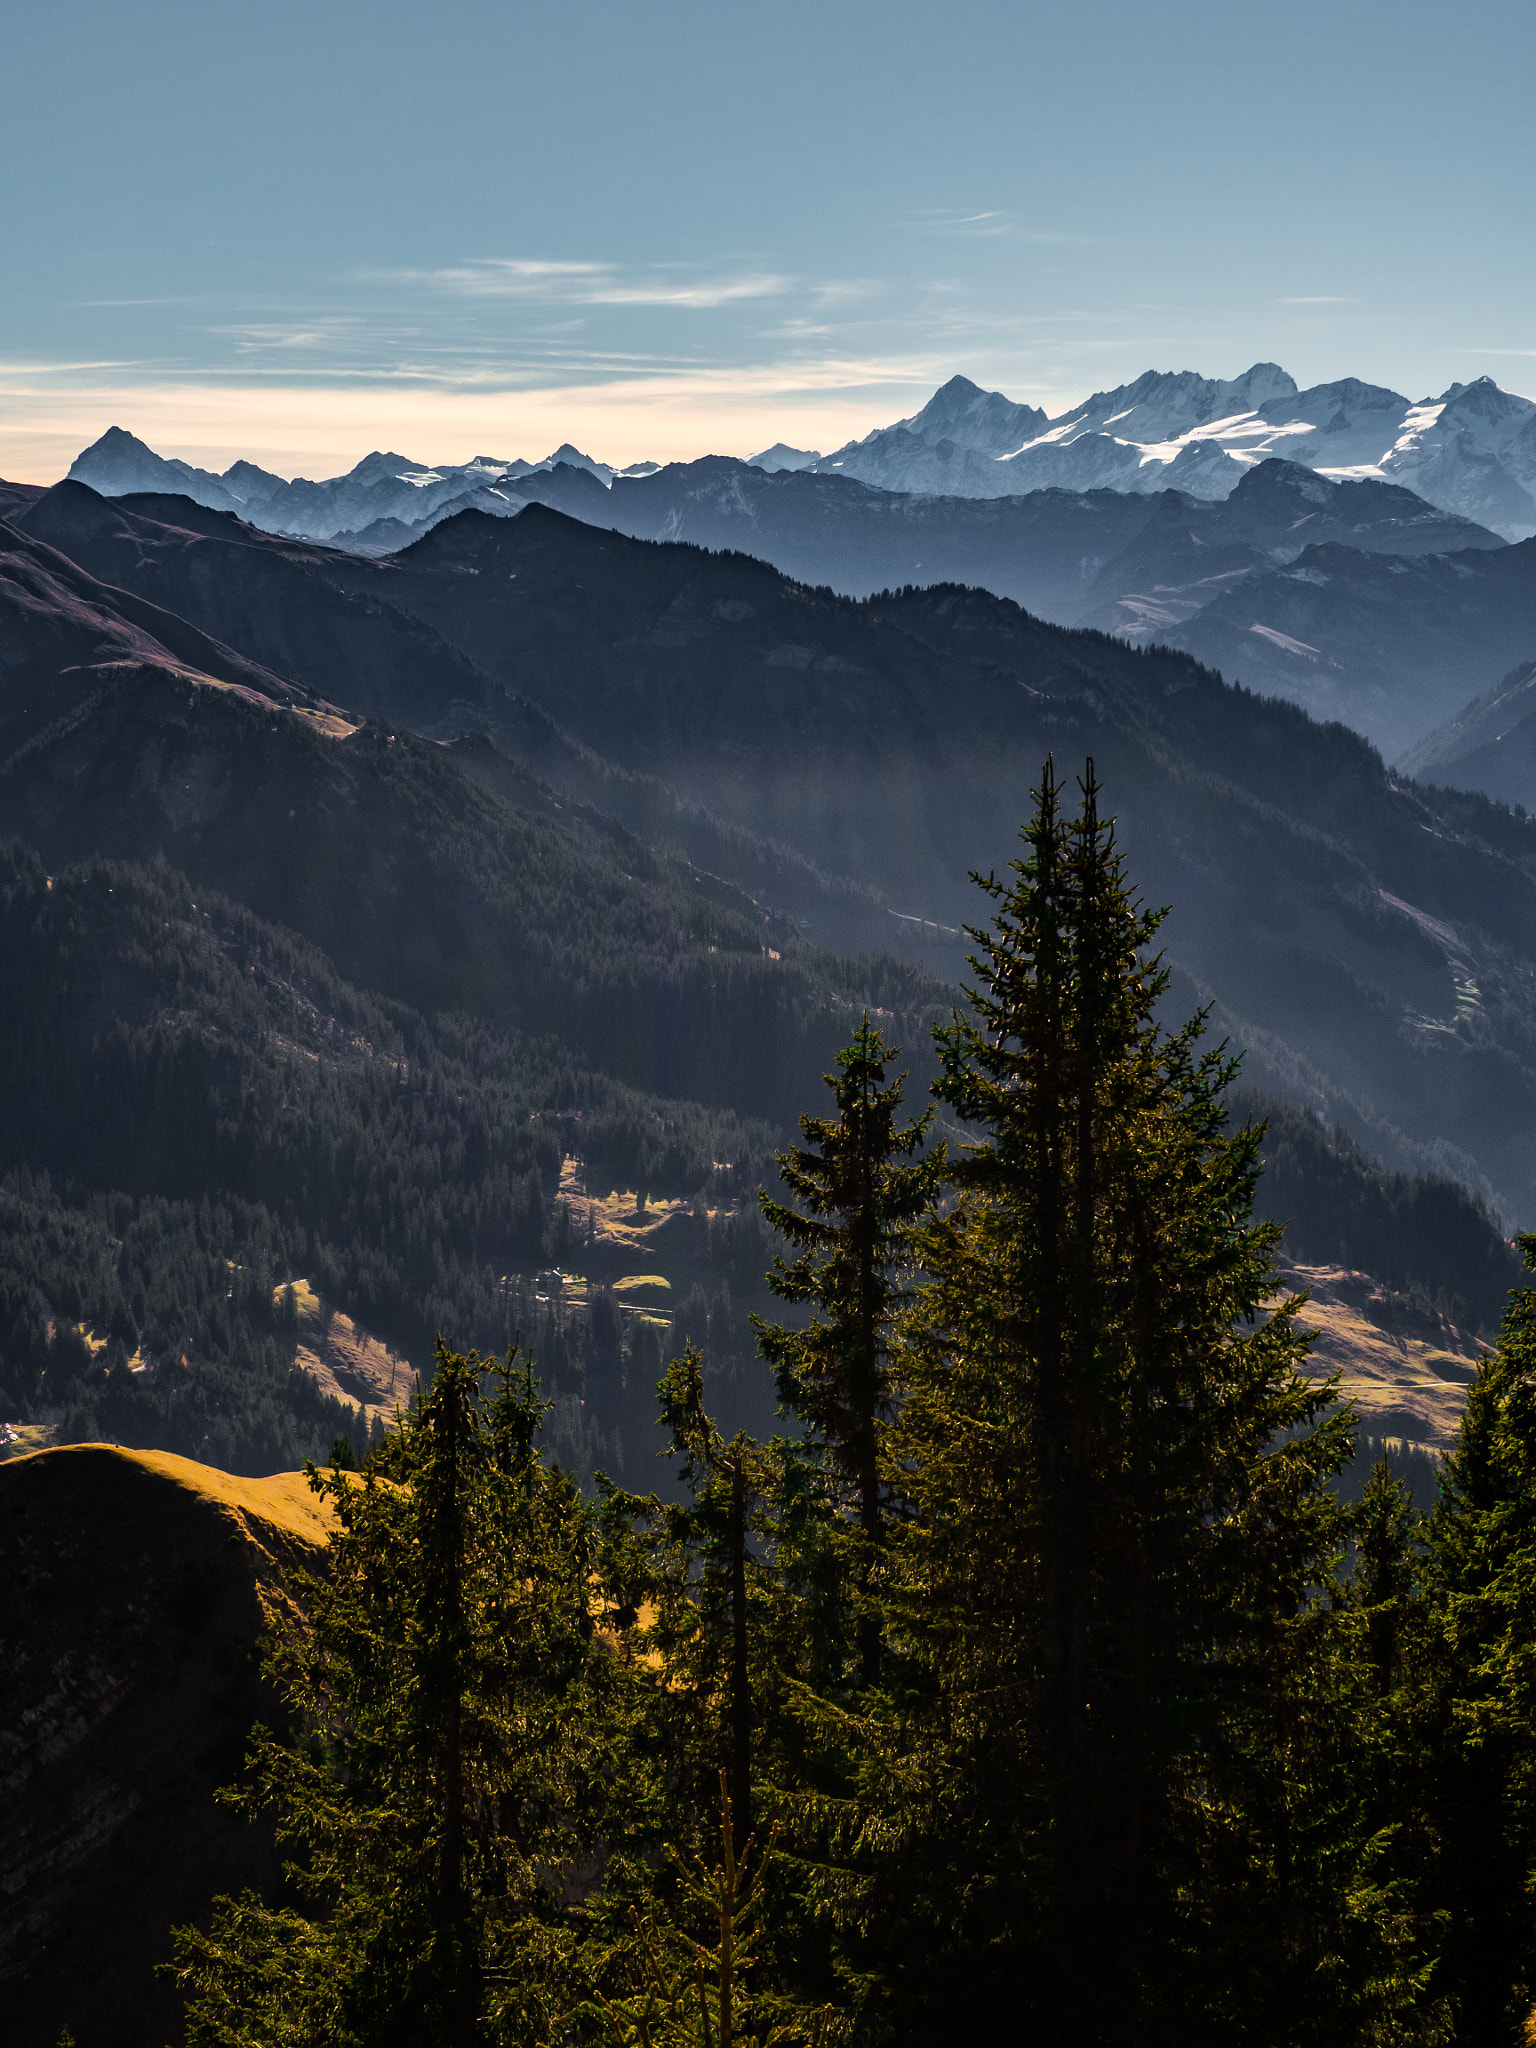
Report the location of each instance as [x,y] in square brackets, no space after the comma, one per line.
[219,456]
[668,230]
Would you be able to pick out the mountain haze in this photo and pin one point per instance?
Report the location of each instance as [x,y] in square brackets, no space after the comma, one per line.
[580,816]
[1393,645]
[892,742]
[895,742]
[1490,744]
[1471,452]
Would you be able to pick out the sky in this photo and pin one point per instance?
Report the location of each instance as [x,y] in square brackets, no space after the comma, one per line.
[664,228]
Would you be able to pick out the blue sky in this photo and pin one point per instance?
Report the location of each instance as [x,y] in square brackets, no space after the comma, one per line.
[658,228]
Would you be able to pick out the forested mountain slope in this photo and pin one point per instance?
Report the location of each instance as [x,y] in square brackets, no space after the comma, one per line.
[282,603]
[310,1022]
[272,599]
[62,632]
[195,1109]
[422,884]
[1369,942]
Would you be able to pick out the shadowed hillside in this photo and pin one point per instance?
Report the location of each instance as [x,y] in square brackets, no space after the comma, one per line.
[134,1590]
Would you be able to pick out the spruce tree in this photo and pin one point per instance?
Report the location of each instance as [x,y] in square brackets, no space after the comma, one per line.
[686,1974]
[450,1751]
[1117,1483]
[1482,1788]
[705,1587]
[861,1185]
[699,1575]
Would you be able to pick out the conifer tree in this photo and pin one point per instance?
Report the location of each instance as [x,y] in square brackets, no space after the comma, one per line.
[1482,1790]
[704,1589]
[689,1978]
[1378,1763]
[450,1751]
[861,1185]
[1117,1480]
[699,1575]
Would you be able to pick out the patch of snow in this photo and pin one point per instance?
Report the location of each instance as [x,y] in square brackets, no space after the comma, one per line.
[1284,641]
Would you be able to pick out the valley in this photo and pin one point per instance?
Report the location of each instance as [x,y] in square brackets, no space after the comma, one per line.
[503,898]
[767,1027]
[439,926]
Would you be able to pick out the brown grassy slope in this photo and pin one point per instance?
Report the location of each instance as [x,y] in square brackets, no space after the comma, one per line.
[1405,1368]
[133,1587]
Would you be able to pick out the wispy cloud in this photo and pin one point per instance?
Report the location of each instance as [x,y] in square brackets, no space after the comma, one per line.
[943,220]
[60,369]
[589,284]
[1317,299]
[627,406]
[250,336]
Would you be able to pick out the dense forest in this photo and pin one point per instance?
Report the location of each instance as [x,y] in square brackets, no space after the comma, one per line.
[1033,1679]
[196,1109]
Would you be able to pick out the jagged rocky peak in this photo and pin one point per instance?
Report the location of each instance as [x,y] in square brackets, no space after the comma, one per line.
[1350,394]
[119,453]
[1202,468]
[1482,399]
[570,453]
[962,412]
[118,445]
[120,462]
[1261,385]
[1163,404]
[251,484]
[373,468]
[1275,481]
[781,456]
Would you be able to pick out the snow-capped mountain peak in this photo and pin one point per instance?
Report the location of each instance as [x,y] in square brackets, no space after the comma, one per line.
[1163,406]
[1471,452]
[963,413]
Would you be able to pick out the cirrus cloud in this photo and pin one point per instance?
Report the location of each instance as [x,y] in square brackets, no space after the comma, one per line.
[588,284]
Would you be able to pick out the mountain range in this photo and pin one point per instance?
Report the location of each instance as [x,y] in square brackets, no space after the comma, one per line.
[381,486]
[1470,452]
[445,939]
[1329,582]
[842,765]
[1490,744]
[1395,646]
[1234,581]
